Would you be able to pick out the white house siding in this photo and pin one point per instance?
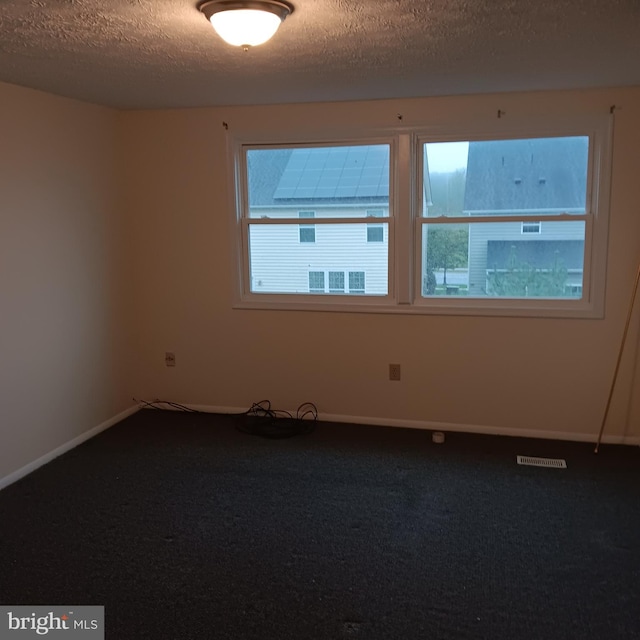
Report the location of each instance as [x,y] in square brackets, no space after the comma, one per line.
[280,263]
[331,211]
[481,233]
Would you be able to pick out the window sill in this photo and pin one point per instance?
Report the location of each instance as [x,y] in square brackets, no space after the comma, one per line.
[576,309]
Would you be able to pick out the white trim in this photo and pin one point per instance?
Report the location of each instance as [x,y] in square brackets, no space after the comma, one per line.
[566,307]
[67,446]
[244,296]
[405,203]
[429,425]
[362,220]
[401,251]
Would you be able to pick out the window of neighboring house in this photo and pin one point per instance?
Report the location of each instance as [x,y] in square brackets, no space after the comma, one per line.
[356,282]
[336,281]
[531,227]
[307,231]
[574,290]
[375,232]
[316,281]
[458,220]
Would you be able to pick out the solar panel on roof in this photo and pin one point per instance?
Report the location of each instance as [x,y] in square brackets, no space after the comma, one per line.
[335,172]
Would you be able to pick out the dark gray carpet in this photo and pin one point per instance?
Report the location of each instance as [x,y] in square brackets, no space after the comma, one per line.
[185,528]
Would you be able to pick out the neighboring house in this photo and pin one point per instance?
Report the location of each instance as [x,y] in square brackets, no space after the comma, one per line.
[312,183]
[535,177]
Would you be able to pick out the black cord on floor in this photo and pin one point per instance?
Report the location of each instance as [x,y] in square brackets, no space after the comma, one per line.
[163,405]
[261,420]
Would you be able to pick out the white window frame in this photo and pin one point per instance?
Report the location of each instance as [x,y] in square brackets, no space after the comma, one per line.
[336,272]
[404,220]
[306,215]
[536,227]
[357,290]
[316,290]
[244,297]
[346,281]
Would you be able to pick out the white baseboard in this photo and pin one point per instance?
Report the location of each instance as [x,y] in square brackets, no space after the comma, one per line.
[486,430]
[330,417]
[449,426]
[67,446]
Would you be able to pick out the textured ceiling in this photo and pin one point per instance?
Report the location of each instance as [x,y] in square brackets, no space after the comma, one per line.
[164,53]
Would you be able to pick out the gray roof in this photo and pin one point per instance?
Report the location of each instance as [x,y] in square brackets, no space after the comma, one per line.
[264,169]
[537,254]
[313,175]
[514,175]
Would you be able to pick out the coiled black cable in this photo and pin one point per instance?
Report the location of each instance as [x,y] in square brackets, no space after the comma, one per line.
[261,420]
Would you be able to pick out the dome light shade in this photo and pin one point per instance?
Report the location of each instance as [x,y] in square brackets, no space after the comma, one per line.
[245,27]
[246,24]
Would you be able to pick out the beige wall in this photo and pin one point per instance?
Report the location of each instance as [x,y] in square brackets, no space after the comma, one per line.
[61,332]
[512,375]
[115,247]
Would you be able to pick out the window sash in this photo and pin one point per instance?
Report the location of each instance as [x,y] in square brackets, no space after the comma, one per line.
[316,281]
[472,288]
[532,228]
[337,259]
[307,232]
[406,201]
[336,281]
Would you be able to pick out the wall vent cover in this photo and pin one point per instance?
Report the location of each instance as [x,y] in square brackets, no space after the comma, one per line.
[557,463]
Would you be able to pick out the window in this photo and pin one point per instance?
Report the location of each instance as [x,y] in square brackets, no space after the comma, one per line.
[531,227]
[336,281]
[375,232]
[307,231]
[506,219]
[471,231]
[316,281]
[333,185]
[356,282]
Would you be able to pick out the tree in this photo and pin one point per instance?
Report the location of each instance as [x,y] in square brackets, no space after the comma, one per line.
[521,280]
[429,283]
[447,247]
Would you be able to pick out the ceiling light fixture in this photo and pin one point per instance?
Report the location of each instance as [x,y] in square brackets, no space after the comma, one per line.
[246,23]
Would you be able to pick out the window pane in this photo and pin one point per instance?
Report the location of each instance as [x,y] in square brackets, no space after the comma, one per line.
[336,281]
[535,176]
[279,263]
[356,282]
[531,227]
[494,259]
[316,281]
[307,234]
[445,259]
[334,182]
[375,232]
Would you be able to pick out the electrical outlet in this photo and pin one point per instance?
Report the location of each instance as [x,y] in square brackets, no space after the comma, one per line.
[394,372]
[170,359]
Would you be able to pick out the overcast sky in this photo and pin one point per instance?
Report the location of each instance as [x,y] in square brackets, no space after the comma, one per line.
[447,156]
